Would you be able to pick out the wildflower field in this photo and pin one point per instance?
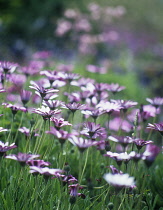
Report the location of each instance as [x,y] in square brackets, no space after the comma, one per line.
[83,133]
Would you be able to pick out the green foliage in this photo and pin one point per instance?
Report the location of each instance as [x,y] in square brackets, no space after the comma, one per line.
[37,18]
[21,190]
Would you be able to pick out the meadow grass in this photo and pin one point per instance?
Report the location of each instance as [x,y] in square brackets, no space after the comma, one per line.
[23,189]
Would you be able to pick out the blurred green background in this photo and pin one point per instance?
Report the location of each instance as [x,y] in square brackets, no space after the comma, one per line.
[29,25]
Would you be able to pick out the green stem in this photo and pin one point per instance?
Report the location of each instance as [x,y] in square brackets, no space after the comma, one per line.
[122,200]
[141,192]
[122,119]
[39,139]
[80,166]
[86,160]
[20,124]
[9,135]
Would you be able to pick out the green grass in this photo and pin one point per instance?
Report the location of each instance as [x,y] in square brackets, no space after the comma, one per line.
[22,190]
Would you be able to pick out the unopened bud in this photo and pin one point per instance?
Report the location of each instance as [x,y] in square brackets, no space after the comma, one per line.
[110,205]
[136,120]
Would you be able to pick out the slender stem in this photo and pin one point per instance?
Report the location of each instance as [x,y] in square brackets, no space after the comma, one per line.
[107,193]
[37,146]
[9,135]
[27,143]
[122,199]
[141,130]
[106,190]
[121,123]
[141,192]
[22,116]
[49,123]
[80,166]
[86,160]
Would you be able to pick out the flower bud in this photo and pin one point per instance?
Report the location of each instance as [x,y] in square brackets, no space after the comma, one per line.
[110,205]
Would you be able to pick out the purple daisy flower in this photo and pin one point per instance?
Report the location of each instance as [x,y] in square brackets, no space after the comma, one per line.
[157,101]
[45,171]
[96,69]
[8,67]
[73,97]
[45,112]
[24,130]
[93,112]
[65,68]
[69,179]
[135,156]
[123,140]
[125,105]
[119,157]
[51,76]
[60,134]
[150,153]
[25,96]
[38,163]
[18,81]
[50,96]
[27,131]
[74,192]
[109,107]
[14,108]
[100,87]
[156,127]
[117,123]
[84,96]
[29,70]
[4,147]
[103,145]
[69,77]
[22,158]
[114,170]
[73,107]
[83,82]
[114,88]
[40,90]
[147,111]
[81,143]
[59,123]
[52,104]
[93,130]
[140,143]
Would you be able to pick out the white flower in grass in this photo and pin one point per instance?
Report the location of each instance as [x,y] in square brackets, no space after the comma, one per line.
[45,171]
[4,147]
[46,112]
[3,129]
[40,90]
[109,107]
[119,157]
[81,143]
[119,180]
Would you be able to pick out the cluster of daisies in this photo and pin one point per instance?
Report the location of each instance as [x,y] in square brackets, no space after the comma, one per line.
[120,121]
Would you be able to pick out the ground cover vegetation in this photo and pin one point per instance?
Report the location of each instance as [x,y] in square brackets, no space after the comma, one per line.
[70,142]
[84,130]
